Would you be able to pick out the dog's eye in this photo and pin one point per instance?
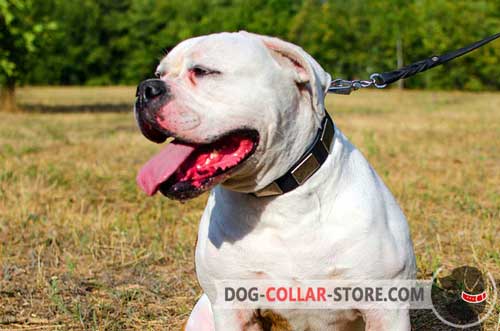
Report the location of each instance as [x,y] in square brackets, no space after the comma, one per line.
[200,71]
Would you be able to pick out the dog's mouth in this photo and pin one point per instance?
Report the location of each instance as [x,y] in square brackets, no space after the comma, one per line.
[184,170]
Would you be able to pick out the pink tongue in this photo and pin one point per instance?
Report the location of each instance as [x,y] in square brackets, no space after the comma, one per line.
[162,166]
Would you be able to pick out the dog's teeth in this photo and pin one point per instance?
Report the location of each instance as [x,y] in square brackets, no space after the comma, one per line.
[214,154]
[207,161]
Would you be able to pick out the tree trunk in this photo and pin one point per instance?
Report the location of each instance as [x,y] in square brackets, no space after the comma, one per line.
[8,99]
[399,55]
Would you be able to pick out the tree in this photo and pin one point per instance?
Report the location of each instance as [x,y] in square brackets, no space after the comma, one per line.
[102,42]
[19,33]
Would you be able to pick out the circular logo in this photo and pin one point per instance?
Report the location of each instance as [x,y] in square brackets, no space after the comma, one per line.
[464,298]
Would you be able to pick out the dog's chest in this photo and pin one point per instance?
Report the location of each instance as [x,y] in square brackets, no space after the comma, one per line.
[277,254]
[289,243]
[271,255]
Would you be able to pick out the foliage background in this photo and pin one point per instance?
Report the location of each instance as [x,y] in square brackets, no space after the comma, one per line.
[101,42]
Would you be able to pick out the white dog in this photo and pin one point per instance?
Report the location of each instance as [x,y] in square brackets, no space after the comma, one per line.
[245,111]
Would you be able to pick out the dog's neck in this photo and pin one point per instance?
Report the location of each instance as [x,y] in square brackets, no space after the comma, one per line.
[282,142]
[307,165]
[241,211]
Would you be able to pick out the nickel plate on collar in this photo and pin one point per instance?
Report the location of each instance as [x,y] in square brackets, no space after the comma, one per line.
[305,169]
[269,190]
[327,136]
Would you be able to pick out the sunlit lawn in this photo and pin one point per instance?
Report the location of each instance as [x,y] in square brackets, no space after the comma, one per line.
[82,248]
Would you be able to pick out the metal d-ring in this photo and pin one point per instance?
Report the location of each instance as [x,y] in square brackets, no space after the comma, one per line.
[377,80]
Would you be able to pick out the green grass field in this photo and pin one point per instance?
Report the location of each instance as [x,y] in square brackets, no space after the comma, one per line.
[81,248]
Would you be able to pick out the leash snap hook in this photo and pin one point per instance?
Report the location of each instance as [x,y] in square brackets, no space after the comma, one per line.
[341,86]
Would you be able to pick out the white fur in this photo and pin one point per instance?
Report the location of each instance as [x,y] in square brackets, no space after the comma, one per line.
[343,223]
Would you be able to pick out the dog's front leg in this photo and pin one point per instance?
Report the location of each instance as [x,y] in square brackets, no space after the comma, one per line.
[235,319]
[387,320]
[201,317]
[204,317]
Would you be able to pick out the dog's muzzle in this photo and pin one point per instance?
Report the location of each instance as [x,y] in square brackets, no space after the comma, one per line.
[151,95]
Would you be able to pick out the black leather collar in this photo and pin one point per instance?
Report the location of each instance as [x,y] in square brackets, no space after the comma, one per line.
[307,165]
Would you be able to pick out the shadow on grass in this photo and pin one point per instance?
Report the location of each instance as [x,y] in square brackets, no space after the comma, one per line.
[90,108]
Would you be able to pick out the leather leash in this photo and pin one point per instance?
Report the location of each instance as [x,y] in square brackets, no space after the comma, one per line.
[342,86]
[318,152]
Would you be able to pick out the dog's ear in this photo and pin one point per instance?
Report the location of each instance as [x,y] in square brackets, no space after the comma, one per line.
[305,70]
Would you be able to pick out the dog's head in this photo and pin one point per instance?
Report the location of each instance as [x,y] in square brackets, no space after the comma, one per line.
[242,108]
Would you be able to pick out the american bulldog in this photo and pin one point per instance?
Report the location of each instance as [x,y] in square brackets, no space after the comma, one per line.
[291,197]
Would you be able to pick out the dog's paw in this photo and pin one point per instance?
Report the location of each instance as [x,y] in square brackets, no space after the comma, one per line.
[201,318]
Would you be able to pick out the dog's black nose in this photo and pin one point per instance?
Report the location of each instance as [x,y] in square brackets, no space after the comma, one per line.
[151,95]
[149,90]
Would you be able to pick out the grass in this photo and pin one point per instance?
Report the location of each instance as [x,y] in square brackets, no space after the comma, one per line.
[82,249]
[70,99]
